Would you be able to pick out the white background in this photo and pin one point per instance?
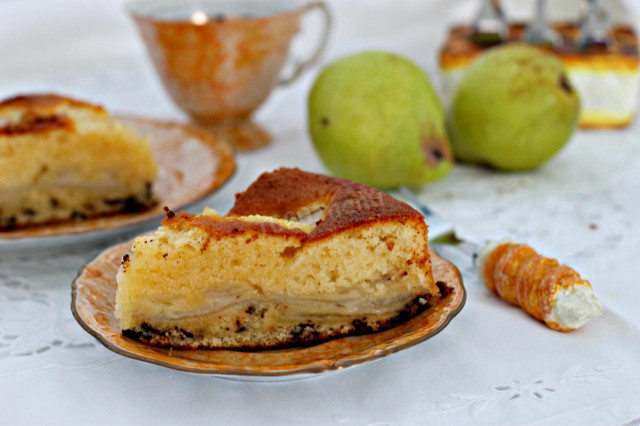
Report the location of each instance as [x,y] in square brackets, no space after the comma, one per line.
[492,365]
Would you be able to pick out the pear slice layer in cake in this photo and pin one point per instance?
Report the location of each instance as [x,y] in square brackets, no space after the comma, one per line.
[300,258]
[63,159]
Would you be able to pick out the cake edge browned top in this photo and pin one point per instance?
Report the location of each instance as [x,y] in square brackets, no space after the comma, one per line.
[459,48]
[283,192]
[217,228]
[40,113]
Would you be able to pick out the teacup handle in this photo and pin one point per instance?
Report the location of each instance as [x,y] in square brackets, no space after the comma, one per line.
[300,66]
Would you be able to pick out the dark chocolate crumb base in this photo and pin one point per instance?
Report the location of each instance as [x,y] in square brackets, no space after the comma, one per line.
[148,333]
[128,205]
[301,335]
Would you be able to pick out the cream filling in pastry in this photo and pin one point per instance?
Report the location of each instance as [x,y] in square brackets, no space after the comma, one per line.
[575,306]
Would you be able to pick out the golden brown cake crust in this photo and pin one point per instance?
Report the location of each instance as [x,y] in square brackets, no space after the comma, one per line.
[35,124]
[218,229]
[459,50]
[283,192]
[41,113]
[45,102]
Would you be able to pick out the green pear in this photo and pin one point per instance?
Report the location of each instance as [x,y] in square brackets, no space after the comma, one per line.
[374,118]
[514,109]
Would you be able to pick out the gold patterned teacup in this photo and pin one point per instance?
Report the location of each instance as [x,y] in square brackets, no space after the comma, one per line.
[220,59]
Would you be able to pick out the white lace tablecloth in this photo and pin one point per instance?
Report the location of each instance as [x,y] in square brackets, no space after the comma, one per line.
[491,365]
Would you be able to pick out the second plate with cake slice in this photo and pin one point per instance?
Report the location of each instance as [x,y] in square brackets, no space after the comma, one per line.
[188,164]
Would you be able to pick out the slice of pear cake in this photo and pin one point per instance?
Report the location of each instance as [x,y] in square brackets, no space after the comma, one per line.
[63,159]
[269,274]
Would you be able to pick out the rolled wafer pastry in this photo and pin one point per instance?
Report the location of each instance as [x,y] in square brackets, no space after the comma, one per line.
[548,291]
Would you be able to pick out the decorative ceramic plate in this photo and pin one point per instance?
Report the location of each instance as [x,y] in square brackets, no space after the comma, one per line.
[192,165]
[93,300]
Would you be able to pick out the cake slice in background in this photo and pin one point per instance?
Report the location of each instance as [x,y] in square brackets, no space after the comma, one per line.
[63,159]
[606,78]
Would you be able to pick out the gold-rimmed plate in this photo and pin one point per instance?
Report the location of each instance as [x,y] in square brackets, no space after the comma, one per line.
[93,301]
[192,165]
